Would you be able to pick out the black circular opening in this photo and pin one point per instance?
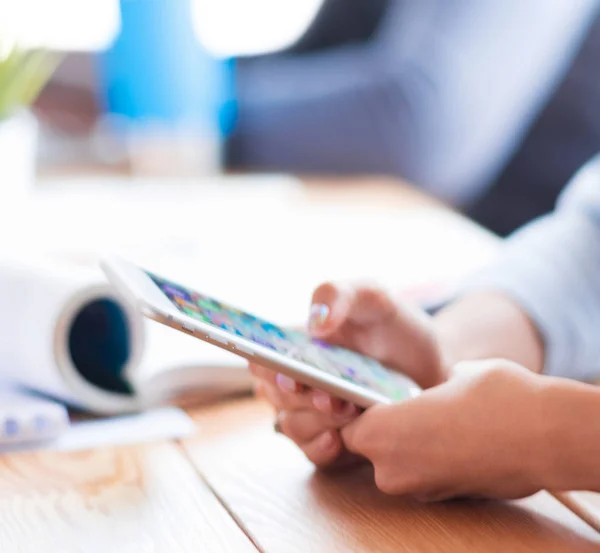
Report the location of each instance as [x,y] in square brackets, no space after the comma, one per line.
[100,345]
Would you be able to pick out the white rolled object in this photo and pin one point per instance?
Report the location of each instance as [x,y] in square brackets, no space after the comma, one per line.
[64,331]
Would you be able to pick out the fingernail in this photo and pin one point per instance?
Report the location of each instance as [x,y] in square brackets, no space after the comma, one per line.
[285,383]
[318,315]
[322,401]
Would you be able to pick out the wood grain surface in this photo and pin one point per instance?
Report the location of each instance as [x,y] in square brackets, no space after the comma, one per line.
[145,498]
[374,192]
[287,507]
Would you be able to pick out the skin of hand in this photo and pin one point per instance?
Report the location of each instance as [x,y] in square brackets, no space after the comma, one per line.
[482,433]
[365,319]
[487,428]
[494,429]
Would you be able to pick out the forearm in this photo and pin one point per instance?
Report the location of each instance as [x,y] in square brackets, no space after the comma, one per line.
[488,325]
[539,304]
[570,444]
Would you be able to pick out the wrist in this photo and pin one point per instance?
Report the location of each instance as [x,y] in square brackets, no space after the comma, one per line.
[569,437]
[488,325]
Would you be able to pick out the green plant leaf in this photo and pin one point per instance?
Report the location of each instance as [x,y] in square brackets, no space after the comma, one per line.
[23,74]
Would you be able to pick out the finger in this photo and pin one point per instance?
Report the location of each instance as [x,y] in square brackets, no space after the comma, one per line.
[366,434]
[286,401]
[259,389]
[324,449]
[351,437]
[333,304]
[254,368]
[283,382]
[272,395]
[288,385]
[263,373]
[325,403]
[330,307]
[303,426]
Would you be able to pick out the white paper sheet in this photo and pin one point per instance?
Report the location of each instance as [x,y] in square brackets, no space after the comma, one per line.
[26,418]
[154,425]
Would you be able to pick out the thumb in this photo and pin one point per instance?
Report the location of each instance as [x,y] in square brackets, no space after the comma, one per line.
[333,304]
[358,436]
[330,308]
[351,437]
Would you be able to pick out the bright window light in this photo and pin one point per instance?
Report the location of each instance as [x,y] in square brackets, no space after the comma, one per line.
[82,25]
[243,27]
[224,27]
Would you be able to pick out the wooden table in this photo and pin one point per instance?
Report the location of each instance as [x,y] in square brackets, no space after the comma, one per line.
[237,486]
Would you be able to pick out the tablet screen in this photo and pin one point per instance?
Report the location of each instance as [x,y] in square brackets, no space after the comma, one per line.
[352,367]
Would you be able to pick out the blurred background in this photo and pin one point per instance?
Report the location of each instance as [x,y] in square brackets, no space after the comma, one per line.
[489,106]
[131,67]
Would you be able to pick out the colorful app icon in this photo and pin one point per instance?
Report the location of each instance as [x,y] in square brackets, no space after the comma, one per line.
[207,304]
[349,371]
[196,315]
[320,343]
[175,292]
[231,329]
[184,303]
[272,329]
[258,340]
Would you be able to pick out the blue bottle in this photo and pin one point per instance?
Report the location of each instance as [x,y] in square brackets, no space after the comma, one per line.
[157,77]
